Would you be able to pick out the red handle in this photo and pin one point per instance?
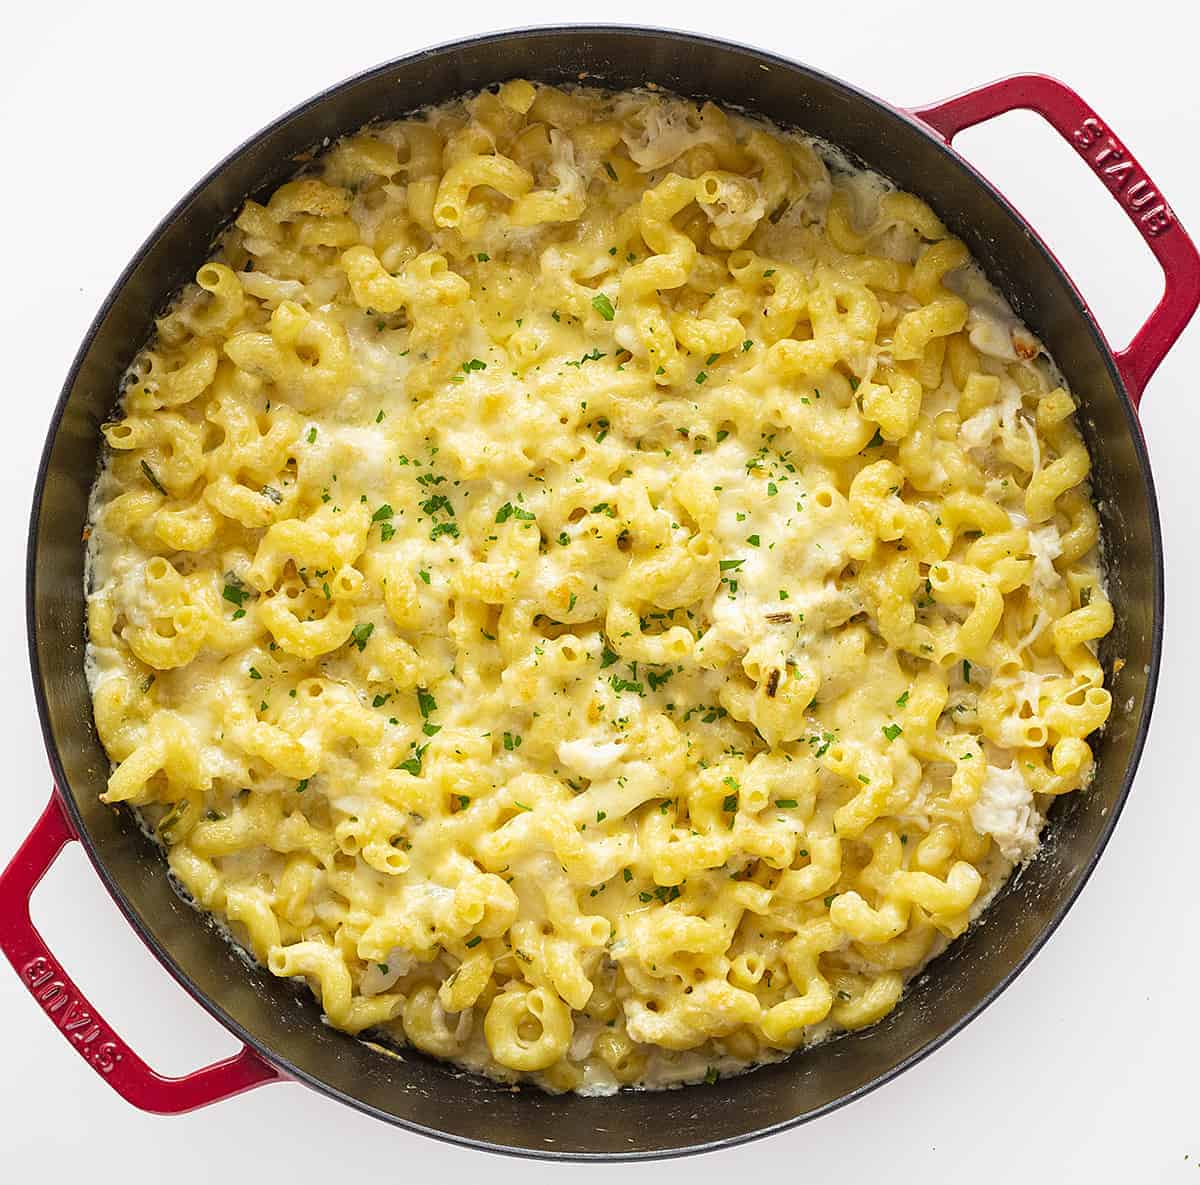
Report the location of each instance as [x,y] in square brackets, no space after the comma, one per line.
[75,1018]
[1117,167]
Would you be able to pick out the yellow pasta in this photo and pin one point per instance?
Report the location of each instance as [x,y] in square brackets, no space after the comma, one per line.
[596,589]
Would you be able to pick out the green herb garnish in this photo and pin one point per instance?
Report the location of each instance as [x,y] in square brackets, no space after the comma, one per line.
[508,510]
[603,306]
[152,478]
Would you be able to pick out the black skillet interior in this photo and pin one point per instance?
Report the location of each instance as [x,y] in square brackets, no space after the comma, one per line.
[432,1097]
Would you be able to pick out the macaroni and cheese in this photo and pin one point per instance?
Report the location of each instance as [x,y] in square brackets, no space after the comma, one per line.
[595,586]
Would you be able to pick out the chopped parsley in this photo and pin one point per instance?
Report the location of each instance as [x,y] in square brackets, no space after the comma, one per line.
[235,593]
[603,306]
[360,633]
[508,510]
[152,478]
[413,764]
[892,731]
[619,685]
[656,680]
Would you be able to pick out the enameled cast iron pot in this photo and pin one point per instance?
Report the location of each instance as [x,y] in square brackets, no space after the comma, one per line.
[282,1032]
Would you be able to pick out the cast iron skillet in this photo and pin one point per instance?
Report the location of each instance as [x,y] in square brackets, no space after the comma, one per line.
[281,1031]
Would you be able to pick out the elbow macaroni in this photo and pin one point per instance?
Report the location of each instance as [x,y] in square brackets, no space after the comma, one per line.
[594,587]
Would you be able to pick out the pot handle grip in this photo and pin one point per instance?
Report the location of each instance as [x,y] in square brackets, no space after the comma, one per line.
[68,1009]
[1107,157]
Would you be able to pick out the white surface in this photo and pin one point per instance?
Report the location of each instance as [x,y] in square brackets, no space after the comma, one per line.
[1084,1070]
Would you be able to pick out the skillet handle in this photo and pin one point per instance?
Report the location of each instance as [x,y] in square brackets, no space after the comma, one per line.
[75,1018]
[1132,187]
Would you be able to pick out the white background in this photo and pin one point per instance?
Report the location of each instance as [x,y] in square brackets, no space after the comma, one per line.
[1085,1070]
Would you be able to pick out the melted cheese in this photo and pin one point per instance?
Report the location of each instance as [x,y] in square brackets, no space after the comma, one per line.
[1045,545]
[1006,812]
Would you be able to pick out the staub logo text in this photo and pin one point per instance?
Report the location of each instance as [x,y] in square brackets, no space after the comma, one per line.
[1112,164]
[50,989]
